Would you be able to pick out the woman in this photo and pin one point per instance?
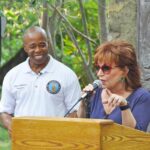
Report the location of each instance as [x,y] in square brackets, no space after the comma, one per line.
[121,97]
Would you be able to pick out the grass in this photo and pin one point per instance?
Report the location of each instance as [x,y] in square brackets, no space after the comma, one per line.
[4,139]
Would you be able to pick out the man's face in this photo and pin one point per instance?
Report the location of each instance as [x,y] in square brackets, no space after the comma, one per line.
[36,47]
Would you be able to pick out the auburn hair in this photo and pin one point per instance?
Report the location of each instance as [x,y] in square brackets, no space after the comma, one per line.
[123,55]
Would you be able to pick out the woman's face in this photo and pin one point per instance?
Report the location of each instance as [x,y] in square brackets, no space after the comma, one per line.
[111,75]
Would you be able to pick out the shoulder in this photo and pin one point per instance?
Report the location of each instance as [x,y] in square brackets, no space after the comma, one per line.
[141,94]
[64,74]
[14,71]
[62,68]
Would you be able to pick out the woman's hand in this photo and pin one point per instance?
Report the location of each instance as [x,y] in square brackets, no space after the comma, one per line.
[88,88]
[113,99]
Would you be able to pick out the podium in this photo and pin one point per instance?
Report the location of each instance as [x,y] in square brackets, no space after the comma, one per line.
[34,133]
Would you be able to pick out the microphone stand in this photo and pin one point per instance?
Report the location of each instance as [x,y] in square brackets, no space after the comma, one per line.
[88,107]
[87,102]
[96,84]
[73,107]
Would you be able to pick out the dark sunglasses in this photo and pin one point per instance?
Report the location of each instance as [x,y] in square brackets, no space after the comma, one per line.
[105,68]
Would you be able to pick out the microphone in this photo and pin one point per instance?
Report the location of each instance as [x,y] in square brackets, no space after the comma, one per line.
[96,84]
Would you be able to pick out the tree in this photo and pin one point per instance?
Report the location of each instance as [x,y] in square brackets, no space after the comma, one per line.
[72,37]
[74,27]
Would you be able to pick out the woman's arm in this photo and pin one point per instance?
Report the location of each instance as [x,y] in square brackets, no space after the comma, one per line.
[141,112]
[113,101]
[128,118]
[81,113]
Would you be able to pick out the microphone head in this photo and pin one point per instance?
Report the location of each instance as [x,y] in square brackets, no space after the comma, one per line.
[97,84]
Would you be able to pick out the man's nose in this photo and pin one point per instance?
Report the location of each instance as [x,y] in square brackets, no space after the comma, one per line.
[37,48]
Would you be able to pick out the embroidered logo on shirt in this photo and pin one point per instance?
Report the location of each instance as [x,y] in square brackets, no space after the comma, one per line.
[53,87]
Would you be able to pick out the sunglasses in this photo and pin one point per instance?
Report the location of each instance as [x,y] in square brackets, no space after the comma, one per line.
[106,69]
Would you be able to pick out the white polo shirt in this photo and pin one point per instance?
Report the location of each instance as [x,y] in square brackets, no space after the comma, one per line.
[51,93]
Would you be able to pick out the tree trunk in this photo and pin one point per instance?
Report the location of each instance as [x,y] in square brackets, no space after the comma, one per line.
[122,20]
[144,40]
[102,21]
[18,58]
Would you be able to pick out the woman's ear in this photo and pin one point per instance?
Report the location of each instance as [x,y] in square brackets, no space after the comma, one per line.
[126,70]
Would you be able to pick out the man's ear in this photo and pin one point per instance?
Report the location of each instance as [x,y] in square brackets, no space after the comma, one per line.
[25,48]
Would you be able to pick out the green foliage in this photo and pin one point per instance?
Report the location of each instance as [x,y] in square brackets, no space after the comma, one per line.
[22,14]
[19,15]
[73,14]
[4,139]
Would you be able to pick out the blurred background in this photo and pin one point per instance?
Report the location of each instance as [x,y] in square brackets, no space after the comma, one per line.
[74,28]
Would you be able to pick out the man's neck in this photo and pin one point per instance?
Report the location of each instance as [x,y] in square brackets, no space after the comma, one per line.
[38,67]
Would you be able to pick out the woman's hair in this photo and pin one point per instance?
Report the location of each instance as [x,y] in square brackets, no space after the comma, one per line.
[123,55]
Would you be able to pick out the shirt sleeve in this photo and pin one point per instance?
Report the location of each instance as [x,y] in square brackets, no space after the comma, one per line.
[141,112]
[7,102]
[72,92]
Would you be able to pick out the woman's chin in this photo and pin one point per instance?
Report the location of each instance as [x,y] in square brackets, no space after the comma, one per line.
[104,86]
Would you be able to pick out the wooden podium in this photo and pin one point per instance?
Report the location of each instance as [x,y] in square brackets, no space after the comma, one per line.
[34,133]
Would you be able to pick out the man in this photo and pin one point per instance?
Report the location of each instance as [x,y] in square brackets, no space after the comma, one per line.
[40,86]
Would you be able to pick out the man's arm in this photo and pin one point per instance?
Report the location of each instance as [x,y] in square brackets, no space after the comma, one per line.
[72,115]
[6,120]
[81,113]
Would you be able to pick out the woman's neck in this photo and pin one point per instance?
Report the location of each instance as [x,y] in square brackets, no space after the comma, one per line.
[122,91]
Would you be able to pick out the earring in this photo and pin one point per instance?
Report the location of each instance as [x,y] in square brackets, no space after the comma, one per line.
[122,79]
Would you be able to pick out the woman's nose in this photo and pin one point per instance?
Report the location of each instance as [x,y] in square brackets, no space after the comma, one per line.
[100,72]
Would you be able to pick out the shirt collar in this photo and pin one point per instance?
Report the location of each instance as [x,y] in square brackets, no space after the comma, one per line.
[50,66]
